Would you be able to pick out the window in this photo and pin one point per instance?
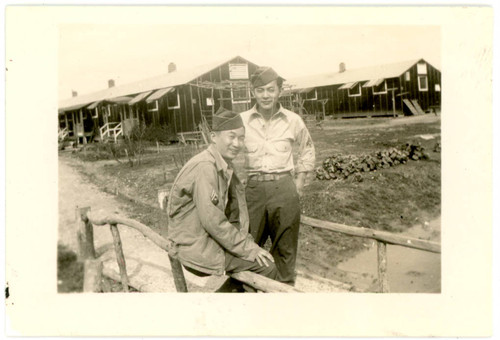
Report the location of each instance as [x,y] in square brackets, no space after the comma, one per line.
[210,101]
[95,113]
[312,95]
[437,88]
[153,106]
[240,95]
[422,68]
[407,75]
[173,101]
[422,83]
[380,88]
[355,91]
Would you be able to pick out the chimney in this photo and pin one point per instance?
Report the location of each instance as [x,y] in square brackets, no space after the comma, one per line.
[74,93]
[111,83]
[341,67]
[172,67]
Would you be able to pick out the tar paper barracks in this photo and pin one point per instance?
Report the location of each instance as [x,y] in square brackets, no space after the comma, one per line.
[185,99]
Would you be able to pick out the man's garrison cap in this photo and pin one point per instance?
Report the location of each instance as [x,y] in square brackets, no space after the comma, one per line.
[263,75]
[226,120]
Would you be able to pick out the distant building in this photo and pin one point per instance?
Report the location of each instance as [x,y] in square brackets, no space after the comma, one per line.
[180,99]
[408,88]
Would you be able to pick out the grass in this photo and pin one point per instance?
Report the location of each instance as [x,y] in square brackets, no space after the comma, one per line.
[392,199]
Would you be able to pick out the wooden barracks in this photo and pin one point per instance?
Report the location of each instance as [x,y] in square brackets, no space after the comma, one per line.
[182,99]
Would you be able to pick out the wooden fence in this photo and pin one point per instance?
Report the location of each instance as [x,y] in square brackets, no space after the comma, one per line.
[93,267]
[383,238]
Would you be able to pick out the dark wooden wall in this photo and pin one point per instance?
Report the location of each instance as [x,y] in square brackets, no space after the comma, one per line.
[339,102]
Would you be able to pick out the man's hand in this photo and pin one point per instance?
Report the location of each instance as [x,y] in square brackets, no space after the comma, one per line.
[263,256]
[299,183]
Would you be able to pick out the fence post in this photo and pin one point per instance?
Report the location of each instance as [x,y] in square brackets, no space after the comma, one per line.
[92,276]
[175,264]
[119,256]
[382,267]
[85,235]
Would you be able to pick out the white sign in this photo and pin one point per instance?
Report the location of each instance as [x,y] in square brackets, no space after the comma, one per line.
[238,71]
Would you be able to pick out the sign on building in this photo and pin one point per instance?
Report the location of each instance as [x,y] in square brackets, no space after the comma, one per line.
[238,71]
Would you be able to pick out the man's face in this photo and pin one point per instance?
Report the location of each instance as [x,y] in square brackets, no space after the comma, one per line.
[267,96]
[229,142]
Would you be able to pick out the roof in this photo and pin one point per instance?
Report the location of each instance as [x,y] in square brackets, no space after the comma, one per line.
[352,76]
[158,94]
[175,78]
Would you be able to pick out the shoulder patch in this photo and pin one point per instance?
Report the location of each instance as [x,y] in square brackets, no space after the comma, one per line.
[214,198]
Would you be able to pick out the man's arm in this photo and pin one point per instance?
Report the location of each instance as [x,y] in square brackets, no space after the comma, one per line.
[214,220]
[306,156]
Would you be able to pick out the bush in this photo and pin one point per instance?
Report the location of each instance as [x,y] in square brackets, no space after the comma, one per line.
[99,151]
[162,134]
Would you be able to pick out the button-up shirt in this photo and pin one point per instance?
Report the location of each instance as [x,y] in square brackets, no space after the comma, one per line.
[208,214]
[269,144]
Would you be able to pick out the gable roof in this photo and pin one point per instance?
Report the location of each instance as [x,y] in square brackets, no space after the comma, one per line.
[175,78]
[355,75]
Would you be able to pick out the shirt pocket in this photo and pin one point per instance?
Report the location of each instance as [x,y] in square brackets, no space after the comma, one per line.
[282,146]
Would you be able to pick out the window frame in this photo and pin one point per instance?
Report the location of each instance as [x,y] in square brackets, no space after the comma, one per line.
[358,85]
[381,92]
[315,95]
[243,101]
[420,88]
[156,106]
[178,105]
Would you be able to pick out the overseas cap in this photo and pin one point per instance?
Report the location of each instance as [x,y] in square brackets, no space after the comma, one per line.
[226,120]
[263,75]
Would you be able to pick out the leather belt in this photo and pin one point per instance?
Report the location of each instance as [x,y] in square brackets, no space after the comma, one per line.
[263,177]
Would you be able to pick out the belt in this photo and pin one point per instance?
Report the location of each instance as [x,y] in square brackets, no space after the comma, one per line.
[268,177]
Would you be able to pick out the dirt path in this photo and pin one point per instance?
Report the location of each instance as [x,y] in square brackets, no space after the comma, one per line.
[146,263]
[73,192]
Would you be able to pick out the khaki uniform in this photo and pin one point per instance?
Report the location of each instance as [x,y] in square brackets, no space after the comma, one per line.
[205,198]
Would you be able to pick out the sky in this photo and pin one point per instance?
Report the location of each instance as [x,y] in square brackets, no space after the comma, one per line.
[90,54]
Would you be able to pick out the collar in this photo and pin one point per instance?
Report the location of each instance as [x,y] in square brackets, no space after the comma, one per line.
[255,114]
[220,163]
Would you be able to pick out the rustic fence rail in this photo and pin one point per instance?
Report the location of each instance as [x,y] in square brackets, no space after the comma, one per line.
[89,220]
[382,237]
[87,250]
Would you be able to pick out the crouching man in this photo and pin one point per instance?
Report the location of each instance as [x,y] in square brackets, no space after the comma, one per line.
[208,214]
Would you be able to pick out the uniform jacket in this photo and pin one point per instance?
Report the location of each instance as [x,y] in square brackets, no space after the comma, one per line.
[205,198]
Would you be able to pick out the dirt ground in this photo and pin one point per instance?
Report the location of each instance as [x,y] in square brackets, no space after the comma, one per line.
[75,192]
[394,199]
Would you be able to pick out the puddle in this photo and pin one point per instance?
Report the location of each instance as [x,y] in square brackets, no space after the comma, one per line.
[408,270]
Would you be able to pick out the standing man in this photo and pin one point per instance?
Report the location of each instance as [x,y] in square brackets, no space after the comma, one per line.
[208,213]
[272,196]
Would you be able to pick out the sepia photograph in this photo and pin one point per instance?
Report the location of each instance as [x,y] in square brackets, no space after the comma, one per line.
[201,151]
[352,134]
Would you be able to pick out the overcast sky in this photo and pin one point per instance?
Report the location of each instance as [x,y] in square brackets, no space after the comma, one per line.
[89,55]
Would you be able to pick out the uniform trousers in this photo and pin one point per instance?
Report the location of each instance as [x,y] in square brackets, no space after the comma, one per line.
[274,212]
[235,265]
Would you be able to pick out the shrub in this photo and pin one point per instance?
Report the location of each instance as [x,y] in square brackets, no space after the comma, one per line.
[162,134]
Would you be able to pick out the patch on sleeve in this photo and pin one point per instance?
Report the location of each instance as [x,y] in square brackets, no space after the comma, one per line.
[214,198]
